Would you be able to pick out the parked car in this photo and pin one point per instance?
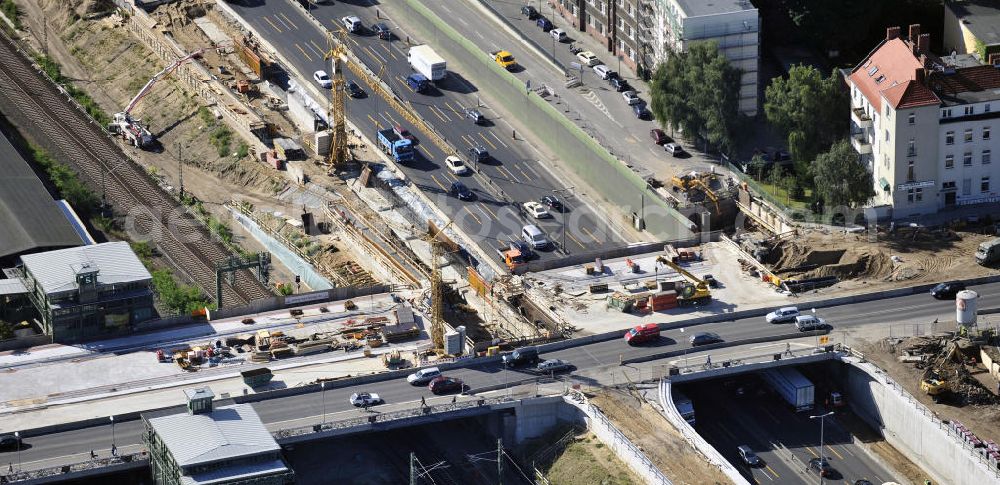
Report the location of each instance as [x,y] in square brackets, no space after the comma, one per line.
[403,133]
[323,79]
[544,24]
[382,31]
[821,466]
[365,399]
[441,385]
[536,210]
[423,376]
[354,90]
[456,165]
[659,136]
[640,111]
[704,338]
[474,115]
[602,71]
[352,24]
[553,365]
[783,314]
[588,58]
[559,35]
[619,84]
[642,334]
[529,11]
[552,203]
[805,323]
[673,149]
[458,189]
[748,456]
[948,290]
[631,97]
[479,154]
[521,356]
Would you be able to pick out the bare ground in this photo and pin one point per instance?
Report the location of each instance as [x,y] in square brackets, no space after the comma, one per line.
[587,461]
[663,444]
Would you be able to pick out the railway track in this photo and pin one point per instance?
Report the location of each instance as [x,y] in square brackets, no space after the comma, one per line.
[151,213]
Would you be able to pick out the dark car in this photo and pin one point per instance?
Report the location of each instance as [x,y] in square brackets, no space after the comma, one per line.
[640,111]
[705,338]
[821,466]
[458,189]
[612,75]
[544,24]
[474,115]
[863,481]
[552,366]
[440,385]
[9,441]
[619,84]
[524,248]
[382,31]
[479,154]
[521,356]
[658,136]
[530,12]
[552,203]
[354,90]
[748,456]
[712,282]
[947,290]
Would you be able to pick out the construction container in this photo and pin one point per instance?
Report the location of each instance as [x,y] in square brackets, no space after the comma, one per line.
[664,300]
[257,377]
[452,343]
[274,161]
[965,307]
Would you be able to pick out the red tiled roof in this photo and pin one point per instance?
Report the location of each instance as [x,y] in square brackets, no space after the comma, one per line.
[892,71]
[976,78]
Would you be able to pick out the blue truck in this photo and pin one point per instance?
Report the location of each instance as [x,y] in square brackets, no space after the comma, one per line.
[418,82]
[792,386]
[400,149]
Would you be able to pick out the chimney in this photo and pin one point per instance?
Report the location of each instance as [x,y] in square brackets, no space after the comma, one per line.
[924,43]
[914,32]
[995,59]
[919,75]
[891,33]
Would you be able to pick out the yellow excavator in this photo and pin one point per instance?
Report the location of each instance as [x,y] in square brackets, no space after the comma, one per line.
[703,186]
[934,384]
[695,292]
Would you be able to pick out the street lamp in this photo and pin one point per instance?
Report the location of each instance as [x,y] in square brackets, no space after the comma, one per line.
[642,206]
[563,222]
[822,457]
[113,448]
[17,436]
[322,386]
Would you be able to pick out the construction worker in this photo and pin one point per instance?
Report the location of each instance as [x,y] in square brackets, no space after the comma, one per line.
[423,402]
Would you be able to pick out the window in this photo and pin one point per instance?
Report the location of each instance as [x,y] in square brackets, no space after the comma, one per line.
[888,114]
[948,185]
[914,195]
[949,138]
[911,148]
[984,184]
[966,186]
[968,110]
[967,159]
[986,109]
[912,118]
[886,135]
[968,135]
[946,113]
[949,161]
[909,172]
[987,154]
[986,132]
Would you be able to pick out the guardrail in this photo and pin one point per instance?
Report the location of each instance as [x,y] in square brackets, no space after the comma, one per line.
[120,461]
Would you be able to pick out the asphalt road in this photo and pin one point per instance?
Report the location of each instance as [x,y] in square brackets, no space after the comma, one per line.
[593,363]
[513,166]
[783,439]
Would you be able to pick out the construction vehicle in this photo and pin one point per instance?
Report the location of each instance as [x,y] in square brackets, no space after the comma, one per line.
[132,129]
[393,359]
[685,182]
[263,340]
[437,285]
[700,184]
[504,59]
[400,149]
[935,384]
[988,252]
[512,257]
[695,292]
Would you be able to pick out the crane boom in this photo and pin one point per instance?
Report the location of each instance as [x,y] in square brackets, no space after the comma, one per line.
[160,75]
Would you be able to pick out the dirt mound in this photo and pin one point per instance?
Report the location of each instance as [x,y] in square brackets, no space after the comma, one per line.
[855,265]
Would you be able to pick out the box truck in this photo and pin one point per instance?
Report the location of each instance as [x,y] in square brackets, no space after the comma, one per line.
[424,60]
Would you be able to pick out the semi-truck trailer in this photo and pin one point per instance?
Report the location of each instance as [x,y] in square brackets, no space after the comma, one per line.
[684,407]
[792,386]
[424,60]
[400,149]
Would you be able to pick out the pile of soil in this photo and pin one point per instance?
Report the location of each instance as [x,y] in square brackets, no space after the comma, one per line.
[793,260]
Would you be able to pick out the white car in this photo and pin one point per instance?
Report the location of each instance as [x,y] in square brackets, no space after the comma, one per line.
[323,79]
[673,149]
[602,71]
[809,322]
[588,58]
[351,23]
[537,210]
[631,97]
[784,314]
[365,399]
[456,165]
[423,376]
[559,35]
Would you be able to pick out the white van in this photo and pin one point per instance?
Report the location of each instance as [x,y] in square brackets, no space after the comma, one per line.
[423,376]
[786,314]
[809,322]
[602,71]
[352,24]
[534,236]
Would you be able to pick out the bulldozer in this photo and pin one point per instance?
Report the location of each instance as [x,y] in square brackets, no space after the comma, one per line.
[935,384]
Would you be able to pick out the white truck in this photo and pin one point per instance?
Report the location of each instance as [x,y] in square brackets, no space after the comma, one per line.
[988,252]
[684,407]
[424,60]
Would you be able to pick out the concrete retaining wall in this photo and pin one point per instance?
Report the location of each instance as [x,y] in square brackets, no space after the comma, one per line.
[912,428]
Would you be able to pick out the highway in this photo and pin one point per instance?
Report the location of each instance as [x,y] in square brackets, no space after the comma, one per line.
[593,363]
[514,166]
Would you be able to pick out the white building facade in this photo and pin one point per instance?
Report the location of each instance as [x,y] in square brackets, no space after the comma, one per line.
[925,126]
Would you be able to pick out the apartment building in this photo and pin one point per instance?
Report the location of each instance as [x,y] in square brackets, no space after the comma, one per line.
[970,25]
[644,32]
[924,125]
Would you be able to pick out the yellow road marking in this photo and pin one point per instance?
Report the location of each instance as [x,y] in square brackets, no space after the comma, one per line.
[510,176]
[577,241]
[438,182]
[452,108]
[468,140]
[810,450]
[438,115]
[526,177]
[772,471]
[393,54]
[584,229]
[355,42]
[370,51]
[494,214]
[473,216]
[487,140]
[485,214]
[834,450]
[303,51]
[272,24]
[314,44]
[288,20]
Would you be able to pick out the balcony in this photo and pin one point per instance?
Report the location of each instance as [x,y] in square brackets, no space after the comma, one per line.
[860,143]
[860,118]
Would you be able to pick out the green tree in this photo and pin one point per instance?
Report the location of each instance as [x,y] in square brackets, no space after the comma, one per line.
[286,289]
[698,91]
[811,111]
[841,178]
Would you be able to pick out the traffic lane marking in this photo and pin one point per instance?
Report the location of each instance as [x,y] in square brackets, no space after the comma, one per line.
[438,182]
[303,51]
[374,54]
[509,175]
[317,47]
[834,450]
[577,241]
[288,20]
[584,229]
[468,139]
[526,176]
[319,52]
[487,140]
[272,24]
[473,215]
[498,139]
[772,471]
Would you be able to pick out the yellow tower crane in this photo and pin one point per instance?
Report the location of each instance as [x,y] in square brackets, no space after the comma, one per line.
[337,51]
[437,286]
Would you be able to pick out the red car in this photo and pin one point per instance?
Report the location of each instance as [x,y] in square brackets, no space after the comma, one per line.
[658,136]
[441,385]
[402,132]
[642,333]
